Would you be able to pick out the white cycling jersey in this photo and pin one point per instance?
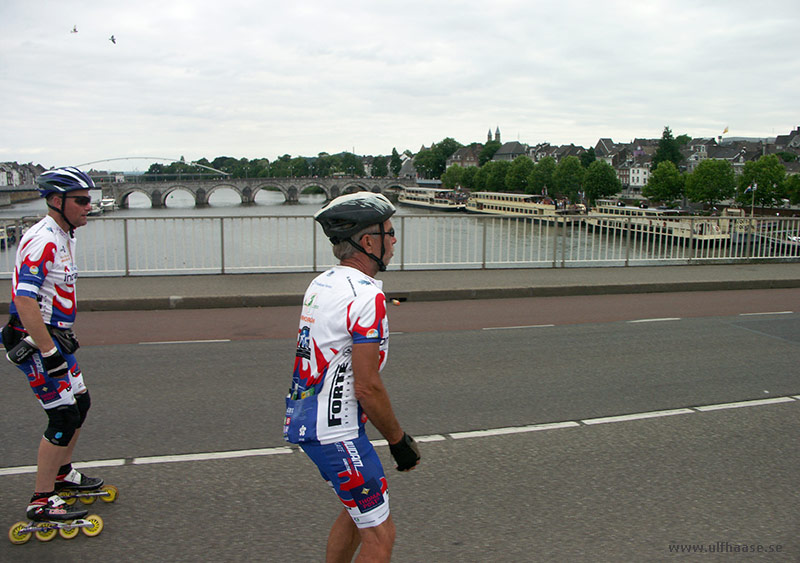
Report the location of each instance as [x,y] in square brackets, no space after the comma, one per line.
[341,307]
[45,270]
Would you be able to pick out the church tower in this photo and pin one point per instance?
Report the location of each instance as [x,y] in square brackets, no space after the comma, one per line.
[497,134]
[489,136]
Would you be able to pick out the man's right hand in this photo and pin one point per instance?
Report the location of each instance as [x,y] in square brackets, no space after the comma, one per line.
[54,363]
[405,453]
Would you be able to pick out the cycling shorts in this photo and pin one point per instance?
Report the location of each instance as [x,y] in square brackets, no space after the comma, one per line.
[54,392]
[353,469]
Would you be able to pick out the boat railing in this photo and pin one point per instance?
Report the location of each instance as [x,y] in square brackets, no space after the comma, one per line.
[110,246]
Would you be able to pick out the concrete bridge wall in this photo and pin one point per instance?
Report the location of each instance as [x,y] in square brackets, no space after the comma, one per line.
[247,189]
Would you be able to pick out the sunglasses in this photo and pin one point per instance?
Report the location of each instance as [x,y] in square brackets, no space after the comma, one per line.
[80,199]
[390,232]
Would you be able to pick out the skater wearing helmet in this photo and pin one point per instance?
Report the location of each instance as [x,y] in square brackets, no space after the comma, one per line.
[342,346]
[40,341]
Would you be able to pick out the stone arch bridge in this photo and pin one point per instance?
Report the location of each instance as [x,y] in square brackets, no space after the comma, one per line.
[247,189]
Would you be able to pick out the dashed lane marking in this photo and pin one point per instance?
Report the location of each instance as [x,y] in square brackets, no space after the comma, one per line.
[490,432]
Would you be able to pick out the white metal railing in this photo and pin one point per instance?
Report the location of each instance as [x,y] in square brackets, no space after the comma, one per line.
[199,245]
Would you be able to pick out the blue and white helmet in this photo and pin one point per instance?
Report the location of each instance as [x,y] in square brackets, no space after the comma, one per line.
[63,180]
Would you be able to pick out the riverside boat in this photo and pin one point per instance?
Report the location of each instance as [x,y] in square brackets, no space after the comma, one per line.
[536,207]
[614,215]
[432,198]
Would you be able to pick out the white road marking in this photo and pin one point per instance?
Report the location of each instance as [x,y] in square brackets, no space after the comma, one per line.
[768,313]
[637,416]
[741,404]
[655,320]
[186,342]
[20,470]
[515,327]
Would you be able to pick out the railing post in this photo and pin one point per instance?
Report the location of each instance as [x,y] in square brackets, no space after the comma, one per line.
[222,243]
[403,243]
[628,243]
[483,250]
[127,248]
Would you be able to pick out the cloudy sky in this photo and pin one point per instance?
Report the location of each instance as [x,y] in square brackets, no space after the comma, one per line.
[264,78]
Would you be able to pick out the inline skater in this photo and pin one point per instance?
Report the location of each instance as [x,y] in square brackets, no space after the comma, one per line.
[40,341]
[342,347]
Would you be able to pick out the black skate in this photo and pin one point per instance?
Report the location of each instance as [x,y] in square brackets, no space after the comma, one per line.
[51,515]
[77,486]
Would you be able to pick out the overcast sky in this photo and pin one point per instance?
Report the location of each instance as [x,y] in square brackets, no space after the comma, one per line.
[263,78]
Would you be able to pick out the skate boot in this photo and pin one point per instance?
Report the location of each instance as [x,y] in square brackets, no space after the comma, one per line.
[72,485]
[51,516]
[47,509]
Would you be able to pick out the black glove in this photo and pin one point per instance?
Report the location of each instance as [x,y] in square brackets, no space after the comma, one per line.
[54,364]
[405,453]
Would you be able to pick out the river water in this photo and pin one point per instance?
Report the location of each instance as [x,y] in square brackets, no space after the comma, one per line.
[273,236]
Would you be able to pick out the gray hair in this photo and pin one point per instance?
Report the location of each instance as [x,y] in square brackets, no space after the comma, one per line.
[344,249]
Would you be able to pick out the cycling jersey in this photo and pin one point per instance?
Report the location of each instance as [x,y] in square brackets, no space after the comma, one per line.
[341,307]
[45,270]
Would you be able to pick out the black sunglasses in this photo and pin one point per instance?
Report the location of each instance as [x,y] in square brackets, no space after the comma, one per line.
[390,232]
[80,199]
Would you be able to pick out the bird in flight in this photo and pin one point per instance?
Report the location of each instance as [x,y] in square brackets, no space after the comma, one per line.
[74,29]
[113,40]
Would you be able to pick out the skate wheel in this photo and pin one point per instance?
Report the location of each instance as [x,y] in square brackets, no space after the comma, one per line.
[111,493]
[69,500]
[86,500]
[16,535]
[46,534]
[96,525]
[68,533]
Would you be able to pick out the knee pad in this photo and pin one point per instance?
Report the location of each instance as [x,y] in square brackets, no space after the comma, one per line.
[84,402]
[63,421]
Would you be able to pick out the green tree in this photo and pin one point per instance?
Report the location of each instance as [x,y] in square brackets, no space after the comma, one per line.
[600,181]
[496,177]
[281,168]
[768,175]
[568,178]
[668,149]
[588,157]
[792,185]
[426,163]
[452,177]
[712,181]
[487,152]
[540,180]
[665,183]
[468,177]
[380,166]
[431,163]
[518,173]
[396,163]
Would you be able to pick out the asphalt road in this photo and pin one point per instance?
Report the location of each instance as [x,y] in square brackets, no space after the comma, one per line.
[511,398]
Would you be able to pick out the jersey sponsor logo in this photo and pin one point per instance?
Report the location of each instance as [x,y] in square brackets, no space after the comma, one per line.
[335,399]
[304,343]
[353,453]
[368,496]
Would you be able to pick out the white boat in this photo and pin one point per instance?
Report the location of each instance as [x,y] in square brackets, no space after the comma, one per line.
[614,215]
[108,204]
[536,207]
[436,199]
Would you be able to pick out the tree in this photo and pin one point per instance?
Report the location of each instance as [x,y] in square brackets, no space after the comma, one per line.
[600,181]
[568,177]
[792,185]
[396,163]
[712,181]
[351,164]
[540,179]
[496,176]
[380,166]
[451,178]
[768,175]
[518,174]
[668,149]
[488,151]
[431,163]
[665,184]
[588,157]
[468,177]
